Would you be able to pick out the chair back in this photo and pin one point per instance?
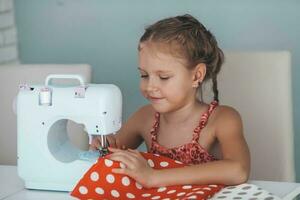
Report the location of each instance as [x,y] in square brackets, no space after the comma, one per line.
[258,85]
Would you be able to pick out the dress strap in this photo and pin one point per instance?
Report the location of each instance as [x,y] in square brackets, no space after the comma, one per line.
[153,131]
[204,119]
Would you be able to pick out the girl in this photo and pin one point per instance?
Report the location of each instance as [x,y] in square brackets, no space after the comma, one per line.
[176,55]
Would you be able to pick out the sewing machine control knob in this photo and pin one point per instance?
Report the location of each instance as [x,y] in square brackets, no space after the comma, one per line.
[45,97]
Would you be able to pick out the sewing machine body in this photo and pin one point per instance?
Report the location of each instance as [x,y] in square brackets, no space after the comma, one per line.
[46,158]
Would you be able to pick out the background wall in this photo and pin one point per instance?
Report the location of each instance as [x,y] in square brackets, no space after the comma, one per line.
[104,34]
[8,38]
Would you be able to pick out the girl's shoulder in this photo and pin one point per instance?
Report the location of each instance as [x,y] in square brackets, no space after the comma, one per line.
[223,111]
[144,119]
[225,116]
[145,111]
[144,115]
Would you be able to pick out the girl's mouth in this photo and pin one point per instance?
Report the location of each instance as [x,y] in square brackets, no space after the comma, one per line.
[154,99]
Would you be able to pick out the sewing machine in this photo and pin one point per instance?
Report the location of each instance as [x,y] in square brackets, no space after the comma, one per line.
[47,159]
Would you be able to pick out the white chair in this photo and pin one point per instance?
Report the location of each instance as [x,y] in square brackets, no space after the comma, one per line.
[10,78]
[258,85]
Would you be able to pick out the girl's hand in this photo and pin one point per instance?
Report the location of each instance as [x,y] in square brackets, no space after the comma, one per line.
[136,166]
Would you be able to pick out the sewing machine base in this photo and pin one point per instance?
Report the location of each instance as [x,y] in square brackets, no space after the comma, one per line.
[45,186]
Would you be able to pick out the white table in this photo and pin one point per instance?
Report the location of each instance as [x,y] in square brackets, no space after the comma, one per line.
[12,188]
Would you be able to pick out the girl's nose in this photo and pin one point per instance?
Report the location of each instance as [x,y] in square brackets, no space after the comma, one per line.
[151,85]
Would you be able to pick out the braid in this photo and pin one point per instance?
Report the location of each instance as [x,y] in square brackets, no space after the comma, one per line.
[216,69]
[215,88]
[214,63]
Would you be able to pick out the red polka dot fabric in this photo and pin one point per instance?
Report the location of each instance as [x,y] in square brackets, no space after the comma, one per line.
[99,182]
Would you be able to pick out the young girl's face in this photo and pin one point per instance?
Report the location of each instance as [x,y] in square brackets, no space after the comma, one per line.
[165,81]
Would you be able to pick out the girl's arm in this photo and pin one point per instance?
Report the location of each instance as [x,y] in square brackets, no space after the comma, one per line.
[231,170]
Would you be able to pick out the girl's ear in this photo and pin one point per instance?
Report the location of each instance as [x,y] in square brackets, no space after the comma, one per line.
[199,74]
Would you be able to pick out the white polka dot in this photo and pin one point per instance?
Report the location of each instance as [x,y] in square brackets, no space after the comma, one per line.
[122,165]
[213,186]
[200,192]
[161,189]
[178,162]
[108,162]
[138,186]
[151,163]
[192,197]
[94,176]
[190,193]
[156,197]
[207,188]
[110,178]
[115,193]
[125,181]
[83,190]
[99,190]
[130,195]
[164,164]
[186,187]
[181,194]
[171,191]
[156,155]
[166,199]
[146,195]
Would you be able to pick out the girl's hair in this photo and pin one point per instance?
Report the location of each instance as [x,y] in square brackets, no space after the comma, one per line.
[192,40]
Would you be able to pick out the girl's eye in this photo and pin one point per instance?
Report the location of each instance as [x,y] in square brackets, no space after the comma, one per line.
[164,78]
[144,76]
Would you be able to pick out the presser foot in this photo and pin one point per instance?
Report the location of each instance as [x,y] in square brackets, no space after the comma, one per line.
[103,151]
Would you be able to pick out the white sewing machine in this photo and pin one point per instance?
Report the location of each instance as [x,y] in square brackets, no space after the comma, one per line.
[46,158]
